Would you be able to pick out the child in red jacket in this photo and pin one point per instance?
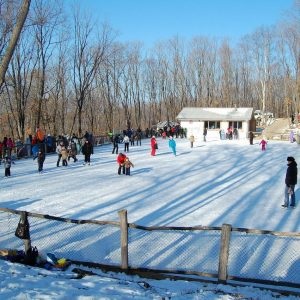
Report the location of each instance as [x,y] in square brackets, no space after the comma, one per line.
[121,162]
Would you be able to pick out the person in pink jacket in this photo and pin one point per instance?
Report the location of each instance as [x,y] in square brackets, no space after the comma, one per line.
[153,145]
[263,144]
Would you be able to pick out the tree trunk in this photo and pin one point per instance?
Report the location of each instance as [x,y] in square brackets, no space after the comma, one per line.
[14,39]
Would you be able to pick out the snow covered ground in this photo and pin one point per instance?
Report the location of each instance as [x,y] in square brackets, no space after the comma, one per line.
[211,184]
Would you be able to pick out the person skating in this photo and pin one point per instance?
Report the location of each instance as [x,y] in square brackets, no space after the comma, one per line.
[121,162]
[172,145]
[58,151]
[154,146]
[263,144]
[72,151]
[128,164]
[7,165]
[115,144]
[251,137]
[41,158]
[192,140]
[87,151]
[204,134]
[126,143]
[290,182]
[64,156]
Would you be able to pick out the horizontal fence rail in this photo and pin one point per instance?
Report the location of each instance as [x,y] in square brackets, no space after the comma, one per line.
[219,253]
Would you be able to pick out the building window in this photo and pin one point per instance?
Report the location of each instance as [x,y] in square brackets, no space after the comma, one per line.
[212,124]
[236,124]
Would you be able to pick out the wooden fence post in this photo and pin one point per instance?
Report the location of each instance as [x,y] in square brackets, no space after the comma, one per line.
[124,238]
[224,252]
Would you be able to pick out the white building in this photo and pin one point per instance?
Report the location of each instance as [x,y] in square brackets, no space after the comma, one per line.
[195,119]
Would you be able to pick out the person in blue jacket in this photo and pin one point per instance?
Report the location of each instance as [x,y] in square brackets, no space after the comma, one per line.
[172,145]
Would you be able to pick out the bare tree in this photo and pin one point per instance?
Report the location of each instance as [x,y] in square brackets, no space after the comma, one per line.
[262,51]
[109,83]
[19,83]
[290,50]
[46,19]
[89,52]
[226,76]
[57,105]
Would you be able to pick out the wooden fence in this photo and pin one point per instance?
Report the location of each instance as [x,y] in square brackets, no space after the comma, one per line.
[234,247]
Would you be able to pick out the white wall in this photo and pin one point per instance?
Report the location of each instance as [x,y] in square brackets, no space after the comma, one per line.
[196,128]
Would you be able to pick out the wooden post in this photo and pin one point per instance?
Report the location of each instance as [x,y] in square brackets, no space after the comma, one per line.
[124,238]
[224,253]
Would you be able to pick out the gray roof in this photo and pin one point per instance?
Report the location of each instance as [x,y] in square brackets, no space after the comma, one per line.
[215,114]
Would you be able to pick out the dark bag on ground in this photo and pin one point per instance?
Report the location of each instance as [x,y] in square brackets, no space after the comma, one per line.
[22,230]
[31,256]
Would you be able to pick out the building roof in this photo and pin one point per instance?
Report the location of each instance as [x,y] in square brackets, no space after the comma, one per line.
[215,114]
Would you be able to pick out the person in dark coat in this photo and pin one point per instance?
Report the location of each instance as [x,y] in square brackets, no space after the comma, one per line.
[251,136]
[87,151]
[41,158]
[290,182]
[115,144]
[204,134]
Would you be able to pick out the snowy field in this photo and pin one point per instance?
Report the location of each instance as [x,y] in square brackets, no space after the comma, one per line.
[214,183]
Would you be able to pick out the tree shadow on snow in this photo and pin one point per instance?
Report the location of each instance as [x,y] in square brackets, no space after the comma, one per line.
[141,170]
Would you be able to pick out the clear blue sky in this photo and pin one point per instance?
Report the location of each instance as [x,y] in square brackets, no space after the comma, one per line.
[154,20]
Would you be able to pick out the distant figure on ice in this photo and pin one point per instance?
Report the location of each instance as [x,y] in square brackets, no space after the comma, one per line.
[41,158]
[263,144]
[128,164]
[192,140]
[251,137]
[235,134]
[290,182]
[292,138]
[126,143]
[121,162]
[204,134]
[87,151]
[58,151]
[7,164]
[154,146]
[229,133]
[172,145]
[64,156]
[72,151]
[115,144]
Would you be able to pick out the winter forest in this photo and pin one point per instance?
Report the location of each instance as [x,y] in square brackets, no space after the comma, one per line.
[69,73]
